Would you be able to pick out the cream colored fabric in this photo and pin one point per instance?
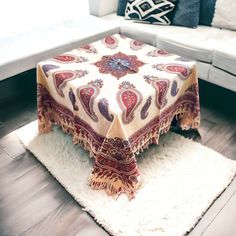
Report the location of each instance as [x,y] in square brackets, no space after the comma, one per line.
[116,96]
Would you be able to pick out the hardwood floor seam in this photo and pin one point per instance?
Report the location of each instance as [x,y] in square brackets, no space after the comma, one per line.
[202,234]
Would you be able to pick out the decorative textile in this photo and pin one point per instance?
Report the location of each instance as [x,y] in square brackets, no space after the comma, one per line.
[152,11]
[115,102]
[121,7]
[207,10]
[187,13]
[181,179]
[225,16]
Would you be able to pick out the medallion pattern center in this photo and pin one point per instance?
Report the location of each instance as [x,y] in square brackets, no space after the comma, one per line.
[119,64]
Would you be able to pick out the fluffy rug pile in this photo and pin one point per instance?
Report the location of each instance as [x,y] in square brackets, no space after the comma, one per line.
[180,179]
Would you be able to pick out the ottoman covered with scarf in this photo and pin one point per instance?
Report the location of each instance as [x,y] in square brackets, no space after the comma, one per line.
[115,97]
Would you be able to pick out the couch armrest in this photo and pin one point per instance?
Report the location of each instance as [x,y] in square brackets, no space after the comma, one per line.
[102,7]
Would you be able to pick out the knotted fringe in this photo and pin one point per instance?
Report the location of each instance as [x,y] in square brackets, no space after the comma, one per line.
[184,119]
[113,188]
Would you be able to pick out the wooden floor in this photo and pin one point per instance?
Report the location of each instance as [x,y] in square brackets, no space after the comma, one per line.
[32,202]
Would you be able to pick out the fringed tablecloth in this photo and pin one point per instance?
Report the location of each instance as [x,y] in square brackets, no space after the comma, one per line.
[115,97]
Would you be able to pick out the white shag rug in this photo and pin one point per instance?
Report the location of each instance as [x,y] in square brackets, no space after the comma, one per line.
[180,180]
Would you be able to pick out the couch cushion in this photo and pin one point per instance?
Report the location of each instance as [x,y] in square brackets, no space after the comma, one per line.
[197,44]
[23,50]
[187,13]
[222,78]
[224,16]
[156,12]
[224,56]
[207,9]
[203,70]
[121,7]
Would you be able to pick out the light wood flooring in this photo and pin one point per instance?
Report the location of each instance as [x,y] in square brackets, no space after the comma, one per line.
[32,202]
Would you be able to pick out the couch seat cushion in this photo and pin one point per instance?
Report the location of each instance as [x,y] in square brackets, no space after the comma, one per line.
[198,43]
[222,78]
[224,56]
[22,50]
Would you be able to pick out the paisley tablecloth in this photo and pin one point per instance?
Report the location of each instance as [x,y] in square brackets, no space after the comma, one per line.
[115,97]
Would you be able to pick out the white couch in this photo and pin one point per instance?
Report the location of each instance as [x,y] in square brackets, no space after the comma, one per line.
[213,48]
[35,36]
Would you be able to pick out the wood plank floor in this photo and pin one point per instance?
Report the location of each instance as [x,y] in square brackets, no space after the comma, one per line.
[32,202]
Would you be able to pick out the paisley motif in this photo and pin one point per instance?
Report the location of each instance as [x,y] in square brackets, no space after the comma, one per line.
[144,112]
[103,107]
[182,71]
[48,67]
[73,100]
[157,53]
[129,99]
[174,88]
[136,45]
[68,58]
[87,94]
[161,86]
[110,42]
[60,78]
[88,48]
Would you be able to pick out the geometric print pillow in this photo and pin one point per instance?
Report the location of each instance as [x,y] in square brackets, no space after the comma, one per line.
[152,11]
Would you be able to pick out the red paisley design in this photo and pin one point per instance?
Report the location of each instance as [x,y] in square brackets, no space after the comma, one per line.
[157,53]
[67,58]
[182,70]
[129,99]
[87,94]
[119,65]
[161,86]
[136,45]
[89,48]
[110,42]
[60,78]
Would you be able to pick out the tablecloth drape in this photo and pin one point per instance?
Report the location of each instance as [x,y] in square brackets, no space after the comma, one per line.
[115,97]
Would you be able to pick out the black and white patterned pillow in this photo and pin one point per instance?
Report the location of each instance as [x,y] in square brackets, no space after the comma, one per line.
[152,11]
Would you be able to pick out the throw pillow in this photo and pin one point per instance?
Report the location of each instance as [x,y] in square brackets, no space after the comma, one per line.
[225,14]
[187,13]
[121,7]
[152,11]
[207,10]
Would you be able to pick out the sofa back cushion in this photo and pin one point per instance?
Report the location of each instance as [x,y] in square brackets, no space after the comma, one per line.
[152,11]
[121,7]
[225,14]
[187,13]
[207,10]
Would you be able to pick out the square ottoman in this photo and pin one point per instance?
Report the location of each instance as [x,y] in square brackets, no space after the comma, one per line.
[115,97]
